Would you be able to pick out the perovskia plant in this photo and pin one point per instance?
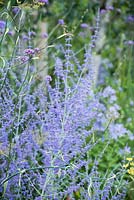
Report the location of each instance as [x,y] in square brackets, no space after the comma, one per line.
[46,132]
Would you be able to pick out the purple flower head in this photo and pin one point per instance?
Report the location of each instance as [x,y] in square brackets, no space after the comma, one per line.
[44,35]
[112,99]
[38,198]
[2,24]
[117,130]
[61,21]
[130,18]
[48,78]
[103,11]
[25,37]
[43,1]
[125,150]
[129,42]
[24,59]
[108,92]
[113,112]
[31,33]
[84,25]
[37,50]
[11,33]
[29,51]
[16,10]
[110,8]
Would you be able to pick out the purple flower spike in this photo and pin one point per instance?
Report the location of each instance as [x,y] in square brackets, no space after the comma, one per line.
[29,51]
[84,25]
[16,10]
[2,24]
[31,33]
[24,59]
[25,37]
[130,18]
[10,33]
[44,35]
[103,11]
[61,22]
[43,1]
[110,8]
[129,42]
[37,50]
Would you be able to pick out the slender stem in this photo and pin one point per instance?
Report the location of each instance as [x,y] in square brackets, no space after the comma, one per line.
[31,169]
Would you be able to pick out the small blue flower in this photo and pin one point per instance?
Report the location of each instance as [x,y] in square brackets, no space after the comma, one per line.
[61,22]
[2,24]
[43,1]
[84,25]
